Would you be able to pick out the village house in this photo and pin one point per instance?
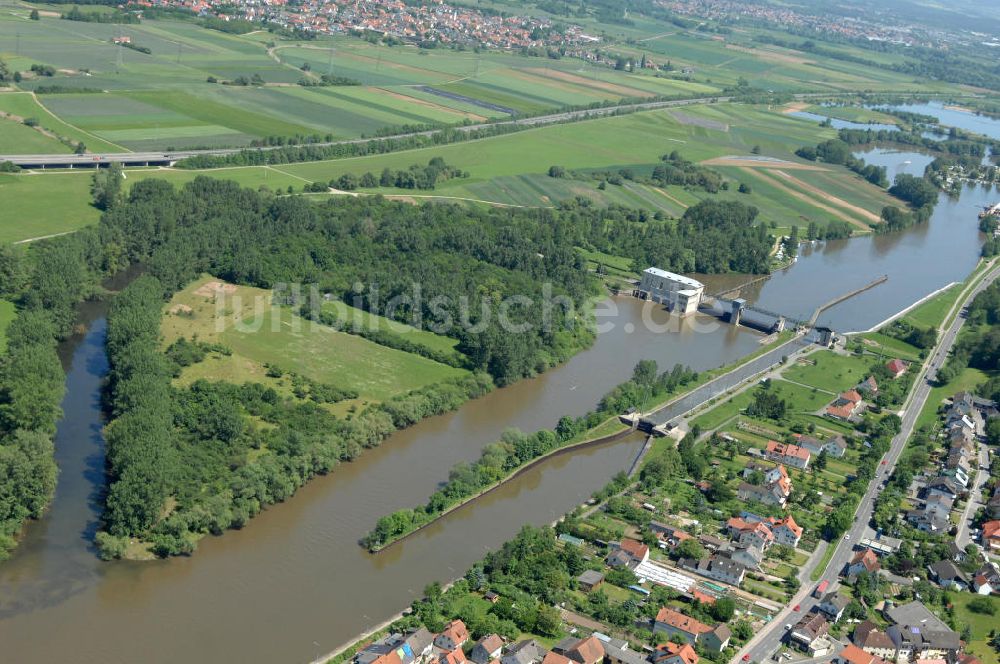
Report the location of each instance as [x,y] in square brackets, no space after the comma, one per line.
[863,561]
[414,648]
[774,490]
[846,406]
[616,652]
[789,455]
[986,580]
[524,652]
[668,536]
[942,486]
[486,649]
[917,633]
[786,531]
[873,641]
[675,653]
[717,566]
[991,535]
[750,557]
[635,551]
[896,367]
[552,657]
[808,632]
[947,575]
[834,446]
[832,605]
[869,386]
[855,655]
[587,650]
[750,534]
[670,622]
[453,636]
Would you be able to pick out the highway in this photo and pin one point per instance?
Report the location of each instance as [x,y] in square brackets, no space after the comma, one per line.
[765,642]
[166,158]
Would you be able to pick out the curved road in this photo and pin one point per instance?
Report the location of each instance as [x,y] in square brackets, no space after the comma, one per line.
[761,646]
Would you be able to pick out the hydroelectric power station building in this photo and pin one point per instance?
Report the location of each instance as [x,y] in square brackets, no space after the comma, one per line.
[678,293]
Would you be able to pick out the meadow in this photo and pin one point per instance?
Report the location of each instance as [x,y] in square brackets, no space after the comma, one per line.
[261,335]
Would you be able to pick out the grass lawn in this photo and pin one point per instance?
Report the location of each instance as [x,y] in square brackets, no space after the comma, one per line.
[932,312]
[890,347]
[831,371]
[7,314]
[981,625]
[36,205]
[259,334]
[19,138]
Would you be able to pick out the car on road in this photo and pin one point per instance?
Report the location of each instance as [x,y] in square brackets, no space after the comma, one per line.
[847,537]
[746,658]
[788,626]
[797,607]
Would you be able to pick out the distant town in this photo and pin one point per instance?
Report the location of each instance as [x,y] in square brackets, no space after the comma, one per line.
[432,22]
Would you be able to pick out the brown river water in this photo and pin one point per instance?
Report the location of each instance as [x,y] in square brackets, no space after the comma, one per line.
[294,583]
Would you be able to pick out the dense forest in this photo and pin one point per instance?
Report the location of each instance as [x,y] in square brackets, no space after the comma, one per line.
[45,283]
[180,471]
[178,474]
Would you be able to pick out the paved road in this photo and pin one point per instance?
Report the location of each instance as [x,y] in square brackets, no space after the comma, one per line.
[726,382]
[769,639]
[963,538]
[167,157]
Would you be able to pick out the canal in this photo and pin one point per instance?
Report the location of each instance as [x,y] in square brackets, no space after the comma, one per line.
[294,583]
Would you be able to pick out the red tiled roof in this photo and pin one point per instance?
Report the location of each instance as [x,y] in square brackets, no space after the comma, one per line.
[587,651]
[789,522]
[701,597]
[555,658]
[634,548]
[457,632]
[866,558]
[491,642]
[855,655]
[456,656]
[896,366]
[781,449]
[682,622]
[991,529]
[851,395]
[684,651]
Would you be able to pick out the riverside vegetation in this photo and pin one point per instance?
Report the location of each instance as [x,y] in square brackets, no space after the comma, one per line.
[255,445]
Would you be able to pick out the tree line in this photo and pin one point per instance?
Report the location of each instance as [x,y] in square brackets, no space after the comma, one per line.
[515,450]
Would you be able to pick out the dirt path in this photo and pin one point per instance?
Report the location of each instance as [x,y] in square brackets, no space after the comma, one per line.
[669,197]
[839,202]
[798,195]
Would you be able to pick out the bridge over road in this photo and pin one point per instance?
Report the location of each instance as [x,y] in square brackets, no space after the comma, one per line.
[724,383]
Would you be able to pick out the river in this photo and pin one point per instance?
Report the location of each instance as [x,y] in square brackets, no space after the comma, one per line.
[294,583]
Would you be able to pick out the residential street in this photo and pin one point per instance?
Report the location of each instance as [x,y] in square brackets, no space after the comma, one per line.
[768,640]
[975,502]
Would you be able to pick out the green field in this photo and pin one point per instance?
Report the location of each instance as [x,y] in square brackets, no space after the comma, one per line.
[830,371]
[511,169]
[982,625]
[259,334]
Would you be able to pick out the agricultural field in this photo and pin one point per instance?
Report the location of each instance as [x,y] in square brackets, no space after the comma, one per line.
[512,169]
[259,335]
[131,100]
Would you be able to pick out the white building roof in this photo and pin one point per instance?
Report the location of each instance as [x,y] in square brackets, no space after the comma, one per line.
[679,278]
